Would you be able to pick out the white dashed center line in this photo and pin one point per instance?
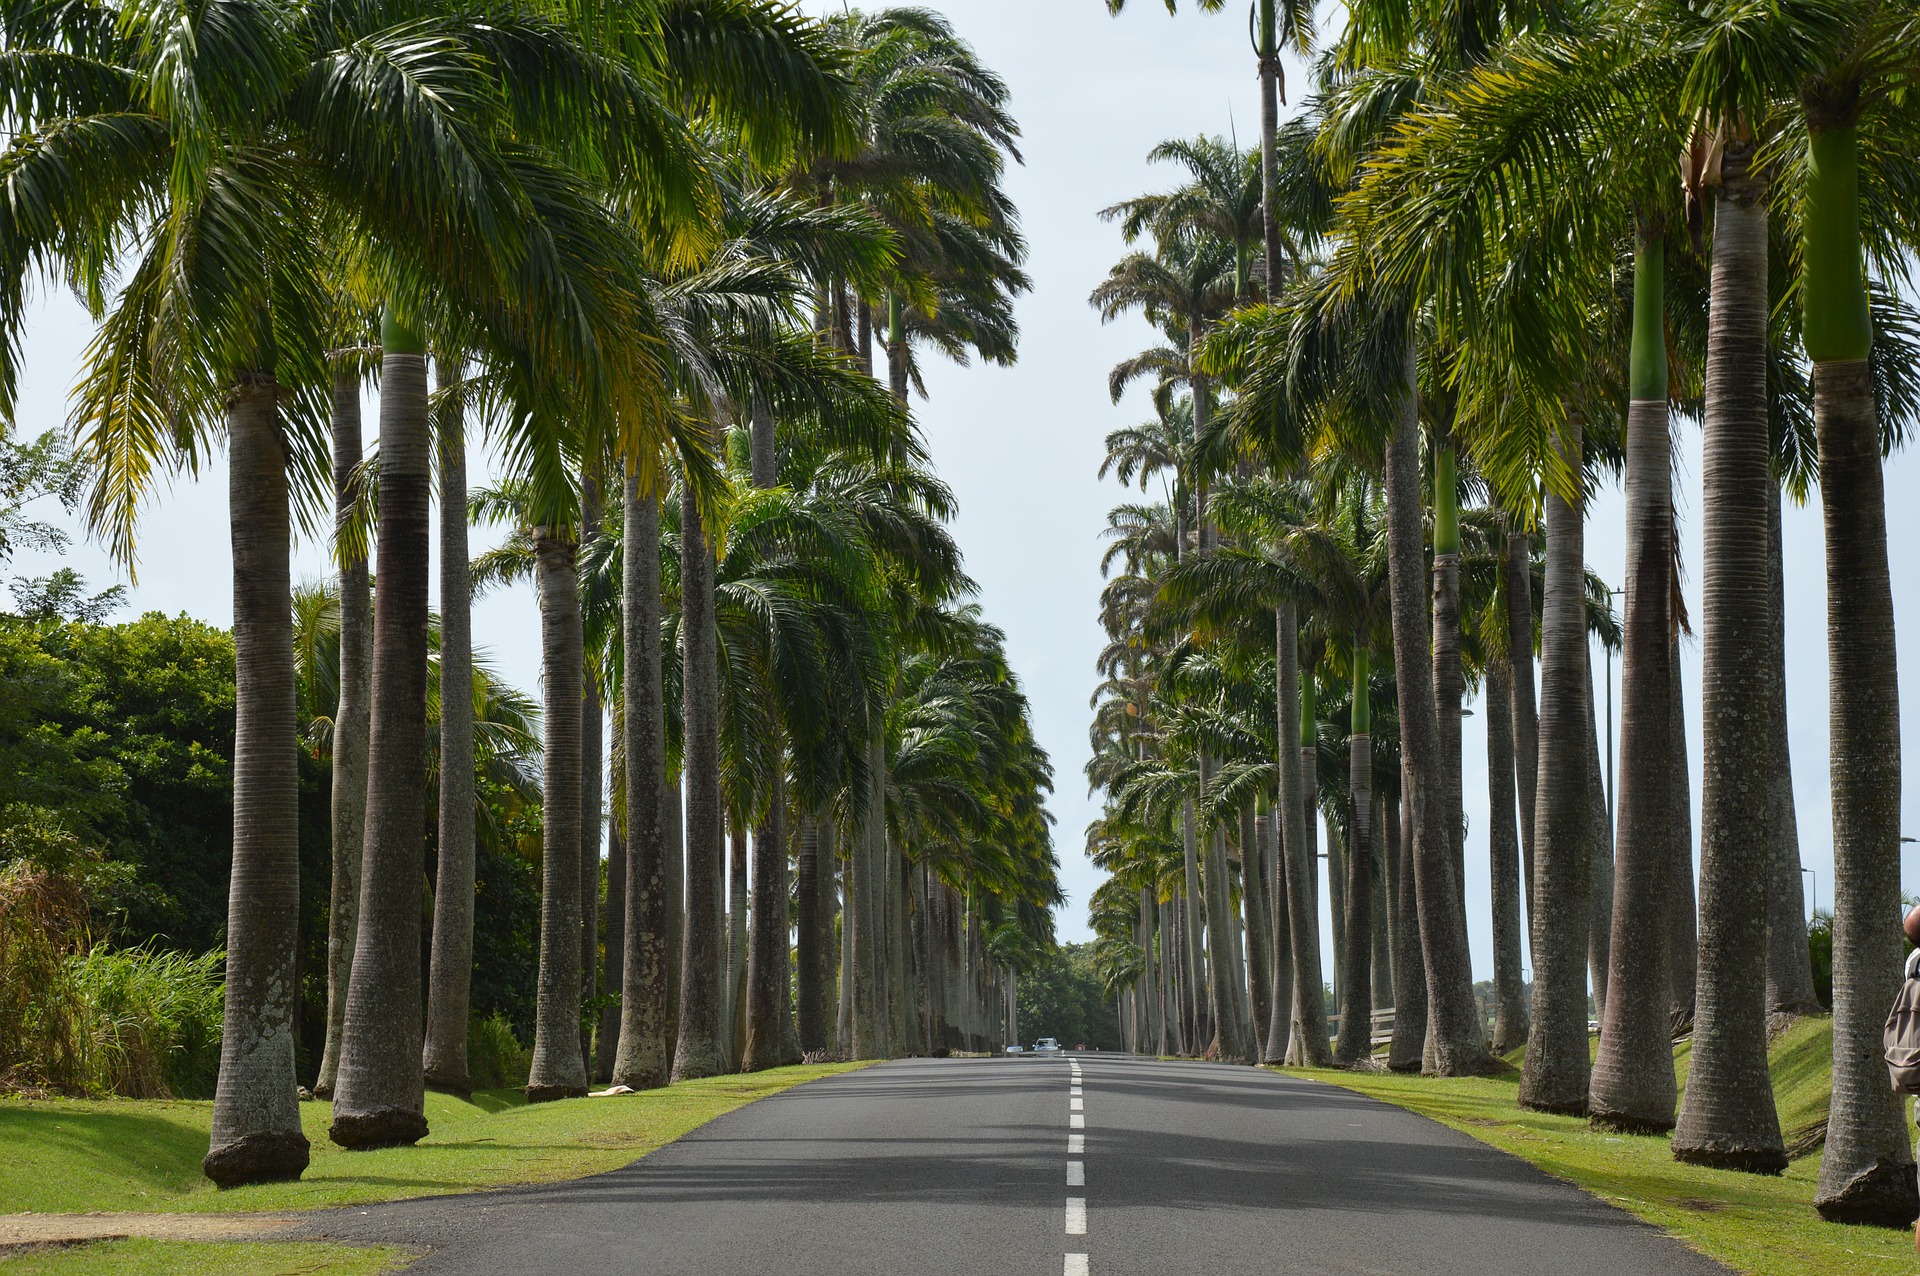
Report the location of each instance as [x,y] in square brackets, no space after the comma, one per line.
[1076,1216]
[1076,1173]
[1076,1213]
[1074,1104]
[1076,1265]
[1076,1144]
[1077,1121]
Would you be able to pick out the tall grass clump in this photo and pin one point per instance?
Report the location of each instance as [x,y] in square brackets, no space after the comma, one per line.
[79,1016]
[155,1019]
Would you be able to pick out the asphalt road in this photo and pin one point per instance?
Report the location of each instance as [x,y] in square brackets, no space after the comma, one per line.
[975,1167]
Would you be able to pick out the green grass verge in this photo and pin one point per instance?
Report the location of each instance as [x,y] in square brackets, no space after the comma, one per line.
[70,1156]
[1750,1222]
[141,1257]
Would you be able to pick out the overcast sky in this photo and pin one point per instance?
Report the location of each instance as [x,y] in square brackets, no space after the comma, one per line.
[1021,445]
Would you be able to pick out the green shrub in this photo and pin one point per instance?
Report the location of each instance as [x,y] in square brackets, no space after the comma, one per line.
[495,1058]
[156,1019]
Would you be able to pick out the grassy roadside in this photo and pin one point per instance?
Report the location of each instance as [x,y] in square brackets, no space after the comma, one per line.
[139,1256]
[1752,1223]
[70,1156]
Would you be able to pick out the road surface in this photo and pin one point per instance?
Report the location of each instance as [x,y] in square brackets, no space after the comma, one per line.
[1093,1165]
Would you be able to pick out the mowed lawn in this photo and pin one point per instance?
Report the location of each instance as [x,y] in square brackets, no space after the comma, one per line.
[73,1156]
[1752,1223]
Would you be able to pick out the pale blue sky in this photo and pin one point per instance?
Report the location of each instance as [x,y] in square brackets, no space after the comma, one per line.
[1021,445]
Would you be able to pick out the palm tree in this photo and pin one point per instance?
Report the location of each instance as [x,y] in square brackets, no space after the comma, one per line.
[349,787]
[450,974]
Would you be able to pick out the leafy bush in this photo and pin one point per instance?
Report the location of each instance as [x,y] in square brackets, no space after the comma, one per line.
[79,1016]
[495,1058]
[156,1017]
[1820,950]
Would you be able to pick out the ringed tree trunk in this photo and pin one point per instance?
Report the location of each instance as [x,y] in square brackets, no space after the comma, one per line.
[1632,1087]
[767,976]
[1380,839]
[644,1059]
[1225,971]
[1866,1171]
[256,1135]
[1503,853]
[1727,1117]
[1458,1042]
[1682,957]
[350,726]
[863,913]
[814,935]
[1516,567]
[1599,858]
[1306,1043]
[450,976]
[592,795]
[1356,987]
[1556,1072]
[1190,908]
[559,1068]
[1448,684]
[700,1050]
[380,1093]
[1790,988]
[1409,963]
[736,1014]
[606,1045]
[767,940]
[1258,916]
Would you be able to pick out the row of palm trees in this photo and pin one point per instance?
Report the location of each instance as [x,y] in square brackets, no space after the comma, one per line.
[1469,287]
[644,250]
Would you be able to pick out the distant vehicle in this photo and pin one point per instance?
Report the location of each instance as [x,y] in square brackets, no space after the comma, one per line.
[1046,1045]
[1016,1048]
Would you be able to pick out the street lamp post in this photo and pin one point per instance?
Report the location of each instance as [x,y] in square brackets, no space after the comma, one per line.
[1813,905]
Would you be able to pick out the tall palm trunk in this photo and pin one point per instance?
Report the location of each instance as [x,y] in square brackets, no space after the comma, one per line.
[1258,916]
[1306,1042]
[1190,907]
[592,795]
[1356,989]
[644,1059]
[1866,1171]
[700,1050]
[613,919]
[1727,1118]
[1226,976]
[865,883]
[1283,978]
[1599,858]
[349,797]
[256,1115]
[1380,839]
[767,1007]
[559,1068]
[1790,988]
[1632,1087]
[380,1093]
[1404,1052]
[1516,567]
[1458,1042]
[813,937]
[1682,950]
[767,940]
[1503,854]
[736,994]
[674,821]
[450,976]
[1448,683]
[1555,1076]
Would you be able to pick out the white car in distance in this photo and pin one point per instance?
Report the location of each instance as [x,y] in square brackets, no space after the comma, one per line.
[1046,1045]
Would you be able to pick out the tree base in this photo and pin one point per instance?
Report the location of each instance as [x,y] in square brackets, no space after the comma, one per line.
[273,1156]
[461,1087]
[1556,1107]
[1746,1160]
[1884,1195]
[379,1128]
[1628,1123]
[551,1093]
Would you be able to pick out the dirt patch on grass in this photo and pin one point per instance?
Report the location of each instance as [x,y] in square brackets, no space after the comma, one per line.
[1699,1205]
[67,1229]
